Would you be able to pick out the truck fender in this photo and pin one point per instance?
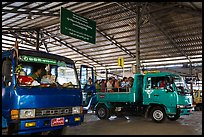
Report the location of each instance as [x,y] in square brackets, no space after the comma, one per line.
[147,111]
[107,104]
[149,108]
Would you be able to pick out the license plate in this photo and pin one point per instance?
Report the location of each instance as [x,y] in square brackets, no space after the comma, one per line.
[57,121]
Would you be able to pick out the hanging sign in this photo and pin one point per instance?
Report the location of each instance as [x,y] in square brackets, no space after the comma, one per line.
[121,62]
[74,25]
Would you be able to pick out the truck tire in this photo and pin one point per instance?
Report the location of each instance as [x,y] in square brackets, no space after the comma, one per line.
[55,132]
[102,112]
[85,111]
[11,130]
[158,114]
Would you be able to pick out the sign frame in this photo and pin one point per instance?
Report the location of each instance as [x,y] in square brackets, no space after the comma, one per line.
[76,26]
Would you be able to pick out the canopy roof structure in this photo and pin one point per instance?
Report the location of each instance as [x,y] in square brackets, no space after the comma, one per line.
[170,36]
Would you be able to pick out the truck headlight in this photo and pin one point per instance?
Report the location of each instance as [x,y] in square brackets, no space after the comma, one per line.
[76,110]
[180,106]
[27,113]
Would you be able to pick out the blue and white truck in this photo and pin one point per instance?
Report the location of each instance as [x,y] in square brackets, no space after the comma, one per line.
[30,106]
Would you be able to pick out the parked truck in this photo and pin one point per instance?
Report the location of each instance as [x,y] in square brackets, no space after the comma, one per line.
[31,106]
[147,98]
[197,96]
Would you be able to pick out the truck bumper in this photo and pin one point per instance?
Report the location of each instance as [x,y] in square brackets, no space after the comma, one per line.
[186,111]
[4,123]
[44,124]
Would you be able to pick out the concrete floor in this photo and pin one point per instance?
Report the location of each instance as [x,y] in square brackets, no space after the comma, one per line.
[132,125]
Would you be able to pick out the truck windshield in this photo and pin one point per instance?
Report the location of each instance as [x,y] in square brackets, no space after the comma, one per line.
[43,72]
[181,86]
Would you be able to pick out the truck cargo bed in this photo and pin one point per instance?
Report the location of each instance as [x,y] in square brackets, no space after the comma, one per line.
[116,97]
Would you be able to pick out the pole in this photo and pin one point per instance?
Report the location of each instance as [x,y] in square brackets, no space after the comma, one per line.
[37,40]
[191,77]
[106,74]
[138,40]
[123,72]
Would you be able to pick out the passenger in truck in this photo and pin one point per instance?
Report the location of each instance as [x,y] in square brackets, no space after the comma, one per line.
[130,81]
[103,85]
[110,85]
[98,86]
[38,73]
[125,85]
[116,86]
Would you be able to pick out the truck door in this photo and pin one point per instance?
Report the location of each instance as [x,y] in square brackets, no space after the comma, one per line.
[6,85]
[87,80]
[159,95]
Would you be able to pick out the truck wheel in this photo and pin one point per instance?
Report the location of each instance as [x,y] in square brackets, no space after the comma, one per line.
[102,112]
[158,114]
[55,132]
[11,130]
[173,117]
[85,111]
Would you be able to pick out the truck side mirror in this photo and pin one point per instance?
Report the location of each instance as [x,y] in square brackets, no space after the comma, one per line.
[169,89]
[181,89]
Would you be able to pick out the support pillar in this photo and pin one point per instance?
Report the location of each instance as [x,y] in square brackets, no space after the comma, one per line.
[191,73]
[37,40]
[106,74]
[138,40]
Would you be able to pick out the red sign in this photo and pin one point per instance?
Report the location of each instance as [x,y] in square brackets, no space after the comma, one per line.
[102,96]
[57,121]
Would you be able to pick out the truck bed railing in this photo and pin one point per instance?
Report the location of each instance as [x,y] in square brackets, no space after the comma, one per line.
[115,90]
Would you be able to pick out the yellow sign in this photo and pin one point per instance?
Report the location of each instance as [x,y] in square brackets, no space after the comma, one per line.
[121,62]
[30,124]
[151,71]
[77,119]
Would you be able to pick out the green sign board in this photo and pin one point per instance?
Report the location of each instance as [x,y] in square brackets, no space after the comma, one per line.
[42,60]
[38,60]
[77,26]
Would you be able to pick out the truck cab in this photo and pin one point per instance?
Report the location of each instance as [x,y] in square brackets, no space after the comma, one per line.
[174,97]
[31,106]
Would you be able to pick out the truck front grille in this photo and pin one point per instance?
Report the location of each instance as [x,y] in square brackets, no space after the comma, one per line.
[50,112]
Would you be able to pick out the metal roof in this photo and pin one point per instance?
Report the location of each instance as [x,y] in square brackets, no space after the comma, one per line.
[170,33]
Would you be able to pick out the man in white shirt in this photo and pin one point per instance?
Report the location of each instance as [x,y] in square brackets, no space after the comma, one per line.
[110,85]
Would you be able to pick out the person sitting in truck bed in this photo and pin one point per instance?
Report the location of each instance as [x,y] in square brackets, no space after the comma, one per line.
[130,81]
[110,85]
[103,85]
[98,86]
[124,85]
[116,86]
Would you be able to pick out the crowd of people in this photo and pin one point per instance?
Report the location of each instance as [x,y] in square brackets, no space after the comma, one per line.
[114,85]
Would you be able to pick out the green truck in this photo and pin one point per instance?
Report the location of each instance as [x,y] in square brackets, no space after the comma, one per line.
[147,98]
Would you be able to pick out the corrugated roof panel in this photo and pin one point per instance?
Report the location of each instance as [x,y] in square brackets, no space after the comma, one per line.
[181,22]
